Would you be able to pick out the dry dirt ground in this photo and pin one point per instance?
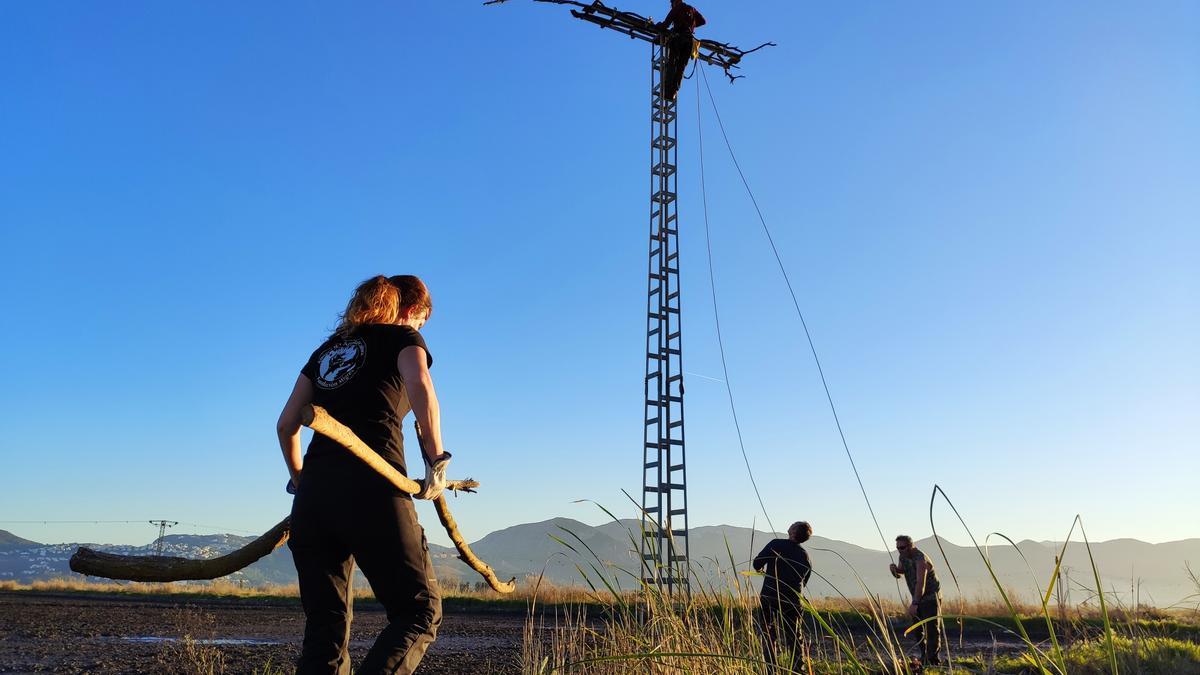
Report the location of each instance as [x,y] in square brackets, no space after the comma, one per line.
[69,633]
[111,633]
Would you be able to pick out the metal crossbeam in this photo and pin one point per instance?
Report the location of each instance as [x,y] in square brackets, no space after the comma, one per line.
[724,56]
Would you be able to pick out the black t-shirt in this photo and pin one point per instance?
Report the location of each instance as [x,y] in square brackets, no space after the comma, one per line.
[683,18]
[787,568]
[355,378]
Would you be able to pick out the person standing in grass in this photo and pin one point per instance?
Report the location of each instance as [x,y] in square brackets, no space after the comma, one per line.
[787,568]
[923,583]
[369,374]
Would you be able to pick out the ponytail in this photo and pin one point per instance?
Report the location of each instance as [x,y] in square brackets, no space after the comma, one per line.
[375,300]
[381,299]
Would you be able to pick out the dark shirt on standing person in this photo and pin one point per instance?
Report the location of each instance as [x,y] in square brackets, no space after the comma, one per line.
[910,567]
[787,567]
[683,18]
[355,377]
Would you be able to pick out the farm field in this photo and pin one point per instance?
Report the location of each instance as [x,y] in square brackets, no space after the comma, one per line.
[65,631]
[103,633]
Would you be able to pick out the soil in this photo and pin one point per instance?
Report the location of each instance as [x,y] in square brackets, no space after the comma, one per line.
[84,633]
[113,633]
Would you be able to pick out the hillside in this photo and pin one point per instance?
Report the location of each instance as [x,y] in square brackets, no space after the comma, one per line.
[564,550]
[9,539]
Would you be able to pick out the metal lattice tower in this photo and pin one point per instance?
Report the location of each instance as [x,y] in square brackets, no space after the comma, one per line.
[162,533]
[664,547]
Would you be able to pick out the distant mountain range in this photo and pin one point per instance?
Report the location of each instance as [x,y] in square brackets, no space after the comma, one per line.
[8,539]
[564,550]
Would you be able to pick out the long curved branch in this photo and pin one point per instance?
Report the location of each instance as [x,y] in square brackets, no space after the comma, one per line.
[170,568]
[465,553]
[320,421]
[316,418]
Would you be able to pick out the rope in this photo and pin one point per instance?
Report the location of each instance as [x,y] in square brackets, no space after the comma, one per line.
[796,304]
[717,316]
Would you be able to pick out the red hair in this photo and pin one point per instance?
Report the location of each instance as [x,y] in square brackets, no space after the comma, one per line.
[383,299]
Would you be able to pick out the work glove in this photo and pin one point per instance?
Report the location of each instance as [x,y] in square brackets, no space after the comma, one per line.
[435,477]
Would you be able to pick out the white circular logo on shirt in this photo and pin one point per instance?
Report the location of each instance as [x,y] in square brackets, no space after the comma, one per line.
[340,362]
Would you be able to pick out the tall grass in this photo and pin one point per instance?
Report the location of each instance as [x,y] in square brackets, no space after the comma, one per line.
[713,628]
[598,628]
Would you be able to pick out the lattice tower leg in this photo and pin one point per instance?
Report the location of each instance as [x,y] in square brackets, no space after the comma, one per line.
[664,495]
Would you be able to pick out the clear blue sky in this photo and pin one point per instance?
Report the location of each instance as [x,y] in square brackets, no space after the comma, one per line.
[989,213]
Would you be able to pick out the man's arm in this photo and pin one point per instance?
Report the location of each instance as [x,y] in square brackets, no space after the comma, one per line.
[763,558]
[699,18]
[672,16]
[922,567]
[288,427]
[922,570]
[414,370]
[806,572]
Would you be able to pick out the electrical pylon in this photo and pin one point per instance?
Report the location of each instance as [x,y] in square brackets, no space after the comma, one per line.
[162,532]
[664,544]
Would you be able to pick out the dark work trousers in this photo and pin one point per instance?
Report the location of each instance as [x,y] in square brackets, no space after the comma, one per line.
[781,630]
[931,633]
[345,514]
[679,52]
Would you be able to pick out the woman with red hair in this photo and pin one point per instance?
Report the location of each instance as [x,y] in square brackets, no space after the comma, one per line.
[369,374]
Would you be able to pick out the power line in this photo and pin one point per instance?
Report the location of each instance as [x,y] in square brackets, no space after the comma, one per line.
[71,522]
[716,314]
[211,528]
[803,323]
[218,528]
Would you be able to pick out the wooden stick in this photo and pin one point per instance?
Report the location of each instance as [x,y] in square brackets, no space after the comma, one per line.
[465,553]
[316,418]
[170,568]
[167,568]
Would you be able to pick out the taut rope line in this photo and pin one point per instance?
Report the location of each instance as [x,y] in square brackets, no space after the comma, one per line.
[717,316]
[796,303]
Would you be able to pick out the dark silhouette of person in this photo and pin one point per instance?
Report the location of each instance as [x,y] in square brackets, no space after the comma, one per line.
[787,567]
[679,39]
[923,583]
[369,375]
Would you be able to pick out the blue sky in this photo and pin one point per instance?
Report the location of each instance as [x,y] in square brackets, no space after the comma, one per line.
[988,212]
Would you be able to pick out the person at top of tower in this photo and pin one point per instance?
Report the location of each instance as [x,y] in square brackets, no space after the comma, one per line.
[679,28]
[683,18]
